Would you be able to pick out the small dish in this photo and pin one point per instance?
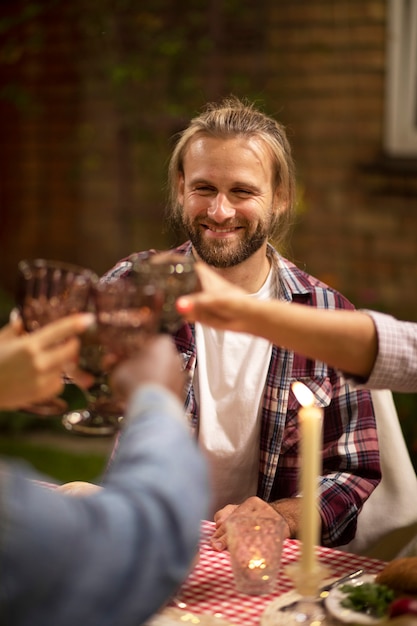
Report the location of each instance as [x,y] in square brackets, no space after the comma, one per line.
[334,606]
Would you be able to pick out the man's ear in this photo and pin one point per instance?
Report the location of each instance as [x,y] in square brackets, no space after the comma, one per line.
[280,203]
[180,188]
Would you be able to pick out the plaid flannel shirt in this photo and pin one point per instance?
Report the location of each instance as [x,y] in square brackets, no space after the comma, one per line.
[350,467]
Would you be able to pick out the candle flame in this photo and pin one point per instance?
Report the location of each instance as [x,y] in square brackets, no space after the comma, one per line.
[257,563]
[303,394]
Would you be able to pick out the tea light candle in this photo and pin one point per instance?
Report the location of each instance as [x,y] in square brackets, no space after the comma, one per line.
[311,418]
[257,563]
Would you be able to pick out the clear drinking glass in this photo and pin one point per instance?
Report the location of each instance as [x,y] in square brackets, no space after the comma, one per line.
[46,291]
[127,315]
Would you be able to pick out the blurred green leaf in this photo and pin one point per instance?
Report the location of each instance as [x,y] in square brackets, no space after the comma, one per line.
[60,464]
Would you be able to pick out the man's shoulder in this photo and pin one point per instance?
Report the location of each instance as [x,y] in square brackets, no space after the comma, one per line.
[308,289]
[306,279]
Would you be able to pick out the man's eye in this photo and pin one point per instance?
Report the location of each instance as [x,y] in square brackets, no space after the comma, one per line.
[242,192]
[204,189]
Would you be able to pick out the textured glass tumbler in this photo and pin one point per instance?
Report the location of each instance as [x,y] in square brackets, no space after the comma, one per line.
[127,315]
[47,290]
[255,547]
[172,275]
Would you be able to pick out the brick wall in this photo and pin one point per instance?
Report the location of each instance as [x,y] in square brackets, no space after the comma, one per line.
[39,120]
[357,221]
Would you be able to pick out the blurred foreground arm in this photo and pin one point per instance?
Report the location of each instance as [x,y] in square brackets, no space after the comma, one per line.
[114,557]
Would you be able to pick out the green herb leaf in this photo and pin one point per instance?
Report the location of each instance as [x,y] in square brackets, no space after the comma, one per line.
[369,598]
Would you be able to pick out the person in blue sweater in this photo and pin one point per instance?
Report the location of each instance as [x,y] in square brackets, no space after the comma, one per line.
[116,556]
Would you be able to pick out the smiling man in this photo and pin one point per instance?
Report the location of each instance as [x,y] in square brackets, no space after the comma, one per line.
[232,182]
[229,210]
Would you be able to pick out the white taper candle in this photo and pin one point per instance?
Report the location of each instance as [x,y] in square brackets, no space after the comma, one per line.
[311,418]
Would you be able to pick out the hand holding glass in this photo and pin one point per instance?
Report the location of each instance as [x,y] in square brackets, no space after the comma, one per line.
[46,291]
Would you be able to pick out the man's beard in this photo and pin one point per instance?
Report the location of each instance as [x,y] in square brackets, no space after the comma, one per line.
[220,252]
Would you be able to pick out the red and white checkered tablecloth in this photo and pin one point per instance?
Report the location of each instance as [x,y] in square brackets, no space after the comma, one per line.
[210,587]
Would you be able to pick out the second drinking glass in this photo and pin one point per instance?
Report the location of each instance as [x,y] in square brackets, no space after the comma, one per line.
[127,314]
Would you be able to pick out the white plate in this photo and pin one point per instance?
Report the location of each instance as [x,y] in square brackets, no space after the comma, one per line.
[335,608]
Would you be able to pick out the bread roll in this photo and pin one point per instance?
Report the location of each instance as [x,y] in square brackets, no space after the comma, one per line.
[400,575]
[78,488]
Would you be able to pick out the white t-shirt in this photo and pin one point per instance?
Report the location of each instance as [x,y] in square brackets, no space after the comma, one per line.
[229,383]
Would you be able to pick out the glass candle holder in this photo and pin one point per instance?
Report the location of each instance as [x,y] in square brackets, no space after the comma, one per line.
[255,547]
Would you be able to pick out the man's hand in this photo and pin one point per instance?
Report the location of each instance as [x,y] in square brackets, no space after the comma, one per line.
[252,507]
